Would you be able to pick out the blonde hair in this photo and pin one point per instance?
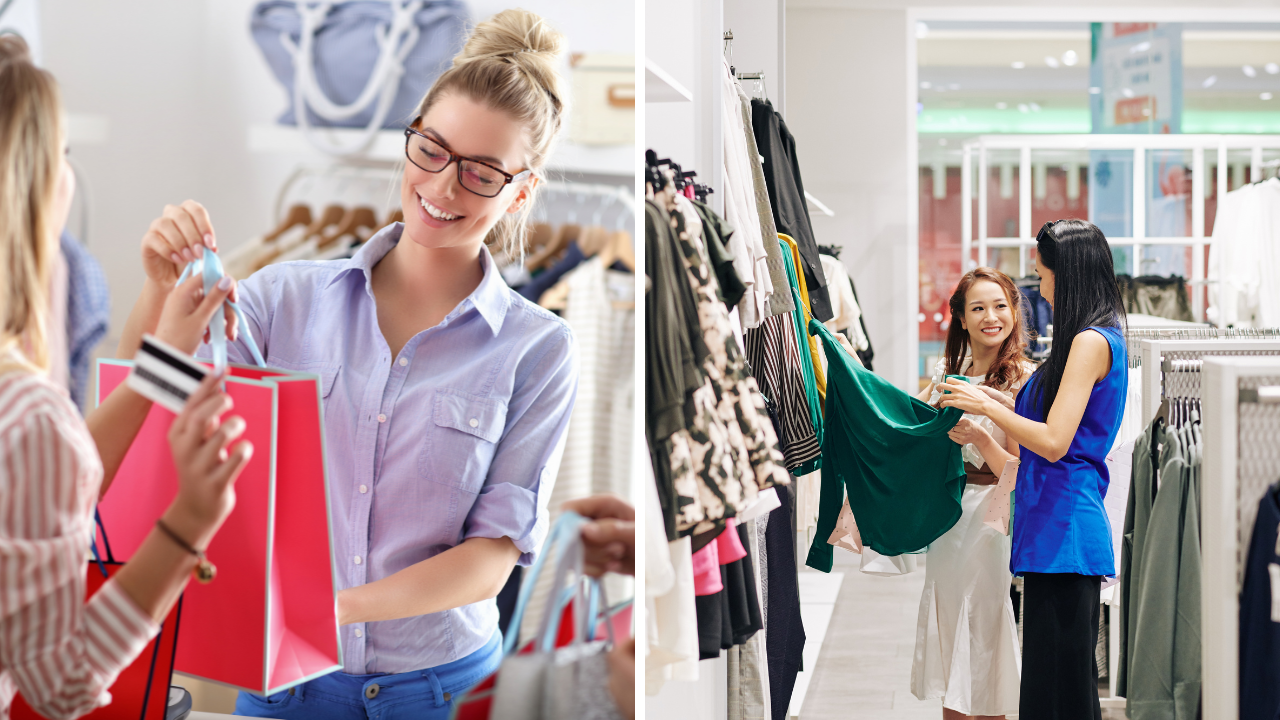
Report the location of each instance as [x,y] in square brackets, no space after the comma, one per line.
[509,64]
[30,166]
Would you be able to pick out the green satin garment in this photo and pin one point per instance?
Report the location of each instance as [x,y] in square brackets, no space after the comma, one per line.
[891,453]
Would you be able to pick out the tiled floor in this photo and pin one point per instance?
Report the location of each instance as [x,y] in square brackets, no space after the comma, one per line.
[864,667]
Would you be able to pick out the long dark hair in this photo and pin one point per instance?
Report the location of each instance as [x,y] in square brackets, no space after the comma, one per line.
[1085,294]
[1006,369]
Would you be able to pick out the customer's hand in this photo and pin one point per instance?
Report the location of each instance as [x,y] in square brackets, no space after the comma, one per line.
[610,538]
[966,432]
[187,311]
[207,466]
[969,398]
[998,396]
[180,235]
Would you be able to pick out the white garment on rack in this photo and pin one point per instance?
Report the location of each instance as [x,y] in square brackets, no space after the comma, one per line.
[844,306]
[746,244]
[672,653]
[1244,259]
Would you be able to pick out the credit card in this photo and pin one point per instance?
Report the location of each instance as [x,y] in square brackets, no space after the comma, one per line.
[164,374]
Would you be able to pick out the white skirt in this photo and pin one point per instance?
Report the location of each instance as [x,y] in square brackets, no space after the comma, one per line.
[967,639]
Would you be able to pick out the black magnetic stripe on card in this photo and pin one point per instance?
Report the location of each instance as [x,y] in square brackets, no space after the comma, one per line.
[161,383]
[173,362]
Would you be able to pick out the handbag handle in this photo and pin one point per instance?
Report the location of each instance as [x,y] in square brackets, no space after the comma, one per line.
[396,42]
[93,544]
[567,528]
[210,266]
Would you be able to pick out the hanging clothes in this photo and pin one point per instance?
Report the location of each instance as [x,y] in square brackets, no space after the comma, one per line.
[88,311]
[1244,258]
[1142,495]
[780,301]
[808,370]
[774,355]
[740,210]
[891,453]
[1038,311]
[846,313]
[1155,295]
[1259,619]
[786,198]
[868,355]
[783,623]
[820,378]
[717,232]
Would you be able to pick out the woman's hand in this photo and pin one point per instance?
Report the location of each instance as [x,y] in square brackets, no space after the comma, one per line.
[207,467]
[187,311]
[965,396]
[998,396]
[610,538]
[967,432]
[180,235]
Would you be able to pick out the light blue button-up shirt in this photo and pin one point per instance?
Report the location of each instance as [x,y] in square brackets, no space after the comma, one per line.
[447,441]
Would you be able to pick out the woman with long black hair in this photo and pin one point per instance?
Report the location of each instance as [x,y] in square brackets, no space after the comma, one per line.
[1066,420]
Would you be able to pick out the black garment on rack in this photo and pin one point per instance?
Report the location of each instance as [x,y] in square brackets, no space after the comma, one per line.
[674,352]
[716,232]
[1259,634]
[534,289]
[744,606]
[785,636]
[786,196]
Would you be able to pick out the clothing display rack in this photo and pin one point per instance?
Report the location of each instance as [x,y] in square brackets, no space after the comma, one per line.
[1171,368]
[1241,461]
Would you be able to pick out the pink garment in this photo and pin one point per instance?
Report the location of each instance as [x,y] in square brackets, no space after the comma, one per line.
[731,549]
[706,570]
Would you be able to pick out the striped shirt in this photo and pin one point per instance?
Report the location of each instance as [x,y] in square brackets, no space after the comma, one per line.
[60,652]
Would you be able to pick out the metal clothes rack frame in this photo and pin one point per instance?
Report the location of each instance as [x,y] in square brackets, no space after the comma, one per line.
[1171,368]
[1241,431]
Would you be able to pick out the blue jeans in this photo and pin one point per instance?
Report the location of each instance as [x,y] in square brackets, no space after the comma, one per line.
[427,694]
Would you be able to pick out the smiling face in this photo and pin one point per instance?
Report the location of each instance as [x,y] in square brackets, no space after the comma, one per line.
[438,211]
[988,315]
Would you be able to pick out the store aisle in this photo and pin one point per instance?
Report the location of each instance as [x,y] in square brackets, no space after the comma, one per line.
[864,668]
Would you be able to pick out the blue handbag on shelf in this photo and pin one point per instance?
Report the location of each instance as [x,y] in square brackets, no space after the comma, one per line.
[360,64]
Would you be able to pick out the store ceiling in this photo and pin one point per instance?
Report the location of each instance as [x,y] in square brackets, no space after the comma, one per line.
[1034,77]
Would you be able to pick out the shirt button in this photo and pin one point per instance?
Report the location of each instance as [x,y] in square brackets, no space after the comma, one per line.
[475,422]
[404,361]
[358,560]
[383,418]
[364,489]
[359,633]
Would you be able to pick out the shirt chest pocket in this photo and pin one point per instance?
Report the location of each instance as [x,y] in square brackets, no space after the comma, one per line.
[461,439]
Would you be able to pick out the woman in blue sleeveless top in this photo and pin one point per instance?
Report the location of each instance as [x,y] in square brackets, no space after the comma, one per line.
[1066,419]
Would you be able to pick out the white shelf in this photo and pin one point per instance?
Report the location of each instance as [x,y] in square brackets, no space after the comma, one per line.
[660,87]
[388,147]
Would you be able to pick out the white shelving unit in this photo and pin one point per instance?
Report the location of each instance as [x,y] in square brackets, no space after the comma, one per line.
[388,147]
[660,87]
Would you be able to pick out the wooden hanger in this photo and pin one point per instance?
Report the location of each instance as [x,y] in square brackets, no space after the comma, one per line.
[538,235]
[356,217]
[298,215]
[395,217]
[623,251]
[560,240]
[593,241]
[331,216]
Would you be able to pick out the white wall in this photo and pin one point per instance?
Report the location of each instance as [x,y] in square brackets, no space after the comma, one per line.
[850,84]
[179,84]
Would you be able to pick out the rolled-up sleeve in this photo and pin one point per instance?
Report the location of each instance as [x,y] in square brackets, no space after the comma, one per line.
[512,501]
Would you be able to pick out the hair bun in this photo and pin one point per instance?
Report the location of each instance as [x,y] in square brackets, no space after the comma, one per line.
[516,34]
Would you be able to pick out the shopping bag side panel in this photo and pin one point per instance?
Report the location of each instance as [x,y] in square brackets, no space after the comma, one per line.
[302,560]
[226,619]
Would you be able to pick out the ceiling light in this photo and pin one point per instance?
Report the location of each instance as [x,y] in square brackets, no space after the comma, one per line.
[953,86]
[1018,64]
[1265,96]
[1002,105]
[1272,68]
[922,30]
[1095,91]
[1034,107]
[1127,92]
[1209,81]
[1070,58]
[1051,61]
[1249,71]
[1022,107]
[925,84]
[1140,47]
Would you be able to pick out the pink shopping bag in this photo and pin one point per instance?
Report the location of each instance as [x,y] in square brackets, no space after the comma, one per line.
[269,619]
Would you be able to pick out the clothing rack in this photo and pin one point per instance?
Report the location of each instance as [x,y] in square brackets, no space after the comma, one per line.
[1241,430]
[1172,368]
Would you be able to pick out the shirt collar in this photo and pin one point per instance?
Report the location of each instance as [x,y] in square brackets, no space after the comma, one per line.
[491,298]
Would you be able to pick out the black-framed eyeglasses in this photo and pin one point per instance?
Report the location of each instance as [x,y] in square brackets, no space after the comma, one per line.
[476,176]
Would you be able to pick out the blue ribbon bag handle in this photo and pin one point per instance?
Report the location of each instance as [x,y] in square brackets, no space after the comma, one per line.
[562,534]
[210,267]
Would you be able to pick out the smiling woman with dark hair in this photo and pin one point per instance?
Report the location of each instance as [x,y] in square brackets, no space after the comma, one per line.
[1065,420]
